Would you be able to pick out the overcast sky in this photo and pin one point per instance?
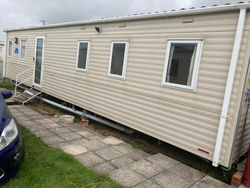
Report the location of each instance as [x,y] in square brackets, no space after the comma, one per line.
[19,13]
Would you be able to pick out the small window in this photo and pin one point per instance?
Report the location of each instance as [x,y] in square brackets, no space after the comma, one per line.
[82,56]
[10,50]
[1,48]
[23,49]
[182,63]
[118,59]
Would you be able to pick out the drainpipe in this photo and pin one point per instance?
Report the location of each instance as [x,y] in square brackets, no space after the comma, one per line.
[229,86]
[89,116]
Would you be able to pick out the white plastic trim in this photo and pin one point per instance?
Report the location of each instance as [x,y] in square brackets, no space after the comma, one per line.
[229,86]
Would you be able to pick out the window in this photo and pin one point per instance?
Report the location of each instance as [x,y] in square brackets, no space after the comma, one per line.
[118,59]
[1,48]
[82,55]
[10,52]
[182,63]
[23,49]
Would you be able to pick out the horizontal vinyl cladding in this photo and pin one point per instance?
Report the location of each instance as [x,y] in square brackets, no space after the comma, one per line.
[186,119]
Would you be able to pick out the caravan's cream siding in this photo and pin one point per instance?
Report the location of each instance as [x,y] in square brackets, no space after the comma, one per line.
[188,120]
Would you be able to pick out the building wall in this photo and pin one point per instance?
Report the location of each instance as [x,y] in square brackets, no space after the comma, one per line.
[188,120]
[2,51]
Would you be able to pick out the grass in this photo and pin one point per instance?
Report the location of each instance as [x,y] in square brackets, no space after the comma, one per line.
[49,167]
[7,86]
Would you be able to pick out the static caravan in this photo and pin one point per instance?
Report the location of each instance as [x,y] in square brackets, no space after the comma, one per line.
[179,76]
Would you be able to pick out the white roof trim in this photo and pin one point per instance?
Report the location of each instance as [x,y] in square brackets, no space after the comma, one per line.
[183,11]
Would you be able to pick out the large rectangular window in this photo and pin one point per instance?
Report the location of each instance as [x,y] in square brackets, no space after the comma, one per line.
[23,49]
[118,59]
[182,63]
[82,55]
[10,49]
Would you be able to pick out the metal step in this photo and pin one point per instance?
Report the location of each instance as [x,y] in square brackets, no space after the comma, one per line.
[33,91]
[19,99]
[26,95]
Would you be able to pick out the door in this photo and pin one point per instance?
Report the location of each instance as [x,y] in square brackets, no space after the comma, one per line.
[39,53]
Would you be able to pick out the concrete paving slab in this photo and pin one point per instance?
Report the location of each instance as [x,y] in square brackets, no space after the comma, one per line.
[36,117]
[146,168]
[209,182]
[189,174]
[21,119]
[50,125]
[123,161]
[68,136]
[112,140]
[162,161]
[73,149]
[84,133]
[124,148]
[30,112]
[126,177]
[90,159]
[75,128]
[93,145]
[36,128]
[18,114]
[104,168]
[147,184]
[60,130]
[97,137]
[109,153]
[45,121]
[44,133]
[30,123]
[55,119]
[50,140]
[138,155]
[168,179]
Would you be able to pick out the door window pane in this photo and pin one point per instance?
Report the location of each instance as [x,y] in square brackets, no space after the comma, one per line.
[39,56]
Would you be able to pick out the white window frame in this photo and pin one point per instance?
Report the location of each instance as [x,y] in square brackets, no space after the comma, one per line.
[124,67]
[21,49]
[9,48]
[87,58]
[192,87]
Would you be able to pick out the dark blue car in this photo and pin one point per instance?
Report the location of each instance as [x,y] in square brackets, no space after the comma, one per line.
[11,143]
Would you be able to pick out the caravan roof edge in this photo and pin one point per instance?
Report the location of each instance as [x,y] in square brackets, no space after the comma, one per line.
[190,11]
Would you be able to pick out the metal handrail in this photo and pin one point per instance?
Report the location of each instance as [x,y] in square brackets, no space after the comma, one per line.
[16,85]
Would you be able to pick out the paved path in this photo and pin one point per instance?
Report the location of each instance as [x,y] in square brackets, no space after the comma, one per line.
[129,166]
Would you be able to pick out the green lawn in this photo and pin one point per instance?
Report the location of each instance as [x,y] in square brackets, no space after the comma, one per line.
[48,167]
[6,86]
